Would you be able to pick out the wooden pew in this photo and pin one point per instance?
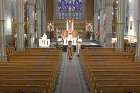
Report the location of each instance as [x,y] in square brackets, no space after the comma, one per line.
[32,71]
[107,71]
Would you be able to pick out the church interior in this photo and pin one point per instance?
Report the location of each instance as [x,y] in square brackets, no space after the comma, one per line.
[101,37]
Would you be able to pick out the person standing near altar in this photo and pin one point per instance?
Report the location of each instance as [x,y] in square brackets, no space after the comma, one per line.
[70,50]
[78,48]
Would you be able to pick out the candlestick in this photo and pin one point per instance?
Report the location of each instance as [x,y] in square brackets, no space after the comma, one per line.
[67,25]
[72,25]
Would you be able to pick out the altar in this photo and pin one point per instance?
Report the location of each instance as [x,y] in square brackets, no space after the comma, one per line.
[70,34]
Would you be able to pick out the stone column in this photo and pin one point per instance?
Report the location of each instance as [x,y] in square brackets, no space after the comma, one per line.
[137,56]
[108,23]
[2,32]
[102,23]
[96,14]
[44,16]
[20,43]
[31,16]
[121,24]
[50,10]
[39,18]
[137,18]
[89,9]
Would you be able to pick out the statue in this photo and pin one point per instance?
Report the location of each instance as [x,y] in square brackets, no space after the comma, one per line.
[90,30]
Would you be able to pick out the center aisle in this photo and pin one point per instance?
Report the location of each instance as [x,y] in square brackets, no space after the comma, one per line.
[71,77]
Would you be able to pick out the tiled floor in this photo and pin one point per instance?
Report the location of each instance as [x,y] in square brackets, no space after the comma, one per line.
[71,77]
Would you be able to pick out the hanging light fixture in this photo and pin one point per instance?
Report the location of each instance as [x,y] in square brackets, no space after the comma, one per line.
[130,1]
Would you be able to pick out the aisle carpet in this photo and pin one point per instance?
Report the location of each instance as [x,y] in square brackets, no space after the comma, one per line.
[71,77]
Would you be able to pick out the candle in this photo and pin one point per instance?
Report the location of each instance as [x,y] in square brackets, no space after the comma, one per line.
[67,25]
[72,25]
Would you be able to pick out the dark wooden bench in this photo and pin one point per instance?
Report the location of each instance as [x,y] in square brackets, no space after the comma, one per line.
[108,71]
[32,71]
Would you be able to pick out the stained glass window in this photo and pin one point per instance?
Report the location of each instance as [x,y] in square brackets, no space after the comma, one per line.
[70,9]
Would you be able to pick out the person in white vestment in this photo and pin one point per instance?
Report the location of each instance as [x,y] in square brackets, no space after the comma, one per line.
[78,48]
